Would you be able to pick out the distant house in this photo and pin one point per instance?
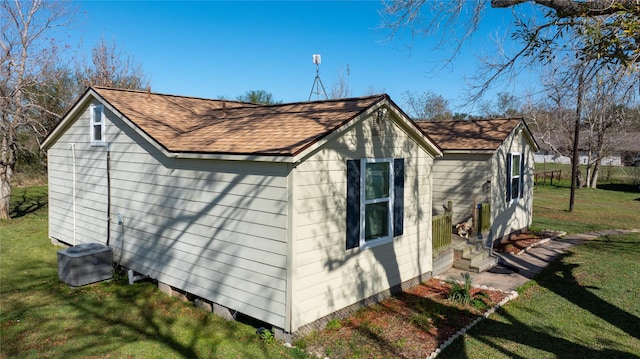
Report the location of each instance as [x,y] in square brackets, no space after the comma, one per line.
[622,149]
[487,160]
[287,213]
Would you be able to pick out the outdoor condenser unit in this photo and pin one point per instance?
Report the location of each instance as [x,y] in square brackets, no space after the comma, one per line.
[84,264]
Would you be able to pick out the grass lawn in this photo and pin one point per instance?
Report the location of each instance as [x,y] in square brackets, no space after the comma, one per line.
[43,318]
[612,206]
[584,305]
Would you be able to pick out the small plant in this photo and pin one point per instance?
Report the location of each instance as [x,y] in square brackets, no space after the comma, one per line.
[462,293]
[266,335]
[334,324]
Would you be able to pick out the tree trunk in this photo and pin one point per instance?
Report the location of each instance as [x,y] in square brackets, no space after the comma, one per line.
[6,175]
[593,183]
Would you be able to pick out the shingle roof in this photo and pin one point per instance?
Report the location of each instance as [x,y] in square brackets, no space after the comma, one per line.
[469,135]
[187,124]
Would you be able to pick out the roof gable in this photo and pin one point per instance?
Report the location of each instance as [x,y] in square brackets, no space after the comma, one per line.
[187,125]
[474,135]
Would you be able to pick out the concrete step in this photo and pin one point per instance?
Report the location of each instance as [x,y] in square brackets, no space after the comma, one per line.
[476,256]
[480,266]
[463,249]
[485,264]
[470,255]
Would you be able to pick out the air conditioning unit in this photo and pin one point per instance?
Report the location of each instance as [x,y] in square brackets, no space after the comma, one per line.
[85,263]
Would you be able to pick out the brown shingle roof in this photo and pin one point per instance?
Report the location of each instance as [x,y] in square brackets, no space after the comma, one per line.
[469,135]
[187,124]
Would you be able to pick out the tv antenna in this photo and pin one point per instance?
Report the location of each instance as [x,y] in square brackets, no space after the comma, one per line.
[317,87]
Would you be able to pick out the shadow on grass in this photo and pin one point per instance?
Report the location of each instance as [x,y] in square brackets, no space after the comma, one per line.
[620,187]
[27,200]
[42,317]
[524,335]
[510,334]
[564,283]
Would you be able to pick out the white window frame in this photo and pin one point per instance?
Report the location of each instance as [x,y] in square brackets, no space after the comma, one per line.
[364,243]
[93,123]
[515,195]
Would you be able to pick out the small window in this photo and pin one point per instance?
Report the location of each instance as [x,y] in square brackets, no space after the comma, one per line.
[515,168]
[97,125]
[515,176]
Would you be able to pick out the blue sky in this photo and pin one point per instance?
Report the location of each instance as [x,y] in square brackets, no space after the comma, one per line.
[213,49]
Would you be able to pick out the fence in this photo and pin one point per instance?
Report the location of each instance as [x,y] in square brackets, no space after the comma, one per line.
[441,231]
[551,174]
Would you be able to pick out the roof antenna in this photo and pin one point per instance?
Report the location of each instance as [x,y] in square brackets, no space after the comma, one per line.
[317,83]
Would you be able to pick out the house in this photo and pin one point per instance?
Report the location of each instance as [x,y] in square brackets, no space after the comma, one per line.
[288,213]
[621,149]
[490,161]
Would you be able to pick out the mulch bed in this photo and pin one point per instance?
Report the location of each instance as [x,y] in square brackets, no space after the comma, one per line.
[517,243]
[411,324]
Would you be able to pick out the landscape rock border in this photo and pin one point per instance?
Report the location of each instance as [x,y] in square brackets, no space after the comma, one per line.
[463,331]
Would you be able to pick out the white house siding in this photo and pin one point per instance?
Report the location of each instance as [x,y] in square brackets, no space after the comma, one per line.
[90,187]
[216,229]
[508,217]
[328,277]
[458,178]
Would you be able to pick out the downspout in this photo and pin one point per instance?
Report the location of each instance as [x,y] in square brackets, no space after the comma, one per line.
[108,193]
[73,189]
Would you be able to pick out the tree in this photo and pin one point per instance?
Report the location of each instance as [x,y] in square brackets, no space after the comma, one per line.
[258,97]
[427,106]
[600,31]
[596,35]
[504,105]
[110,67]
[340,88]
[28,58]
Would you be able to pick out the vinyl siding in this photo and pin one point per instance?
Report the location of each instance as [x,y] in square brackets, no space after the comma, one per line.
[216,229]
[328,277]
[508,217]
[458,178]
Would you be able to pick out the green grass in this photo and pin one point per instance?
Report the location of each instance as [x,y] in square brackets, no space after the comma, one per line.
[43,318]
[610,206]
[585,305]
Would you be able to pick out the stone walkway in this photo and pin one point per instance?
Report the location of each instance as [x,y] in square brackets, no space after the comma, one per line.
[514,270]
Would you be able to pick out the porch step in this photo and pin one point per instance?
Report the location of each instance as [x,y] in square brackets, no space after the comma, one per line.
[473,257]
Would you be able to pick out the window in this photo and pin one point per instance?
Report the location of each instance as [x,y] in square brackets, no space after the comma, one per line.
[515,169]
[378,198]
[97,125]
[375,201]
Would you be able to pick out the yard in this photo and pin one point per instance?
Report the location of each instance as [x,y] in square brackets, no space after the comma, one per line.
[587,304]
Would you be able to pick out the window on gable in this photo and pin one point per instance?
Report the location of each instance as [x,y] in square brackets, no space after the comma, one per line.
[97,125]
[375,201]
[515,169]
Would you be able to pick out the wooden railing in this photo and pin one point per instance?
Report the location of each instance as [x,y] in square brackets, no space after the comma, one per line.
[441,231]
[484,217]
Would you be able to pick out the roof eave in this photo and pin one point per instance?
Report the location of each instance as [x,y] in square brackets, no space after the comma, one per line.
[233,157]
[468,151]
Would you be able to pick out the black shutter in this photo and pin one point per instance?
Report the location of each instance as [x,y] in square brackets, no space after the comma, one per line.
[509,177]
[398,196]
[353,204]
[522,158]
